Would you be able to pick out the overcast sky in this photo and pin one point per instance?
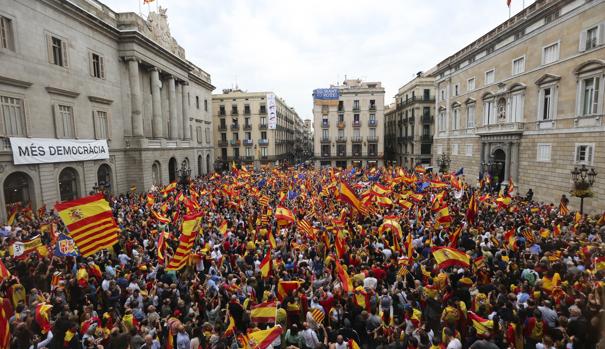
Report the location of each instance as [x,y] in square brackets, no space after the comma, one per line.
[291,47]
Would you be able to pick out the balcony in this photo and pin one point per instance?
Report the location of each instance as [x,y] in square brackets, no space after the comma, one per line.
[249,158]
[234,112]
[510,127]
[325,155]
[222,143]
[356,139]
[372,139]
[341,153]
[371,154]
[401,139]
[247,127]
[246,111]
[222,112]
[325,124]
[248,142]
[356,108]
[416,99]
[222,127]
[357,123]
[234,127]
[235,142]
[263,141]
[262,111]
[341,124]
[341,139]
[372,123]
[372,107]
[426,139]
[426,119]
[325,140]
[262,126]
[411,120]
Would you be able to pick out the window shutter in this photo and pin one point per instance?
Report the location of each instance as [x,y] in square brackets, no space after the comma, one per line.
[102,66]
[91,66]
[582,45]
[64,53]
[95,124]
[601,34]
[589,154]
[49,48]
[58,121]
[108,125]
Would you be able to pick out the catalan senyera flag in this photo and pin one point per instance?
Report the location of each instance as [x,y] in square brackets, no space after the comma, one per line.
[265,265]
[450,257]
[284,216]
[343,276]
[261,339]
[317,315]
[483,326]
[264,200]
[90,223]
[286,287]
[563,210]
[191,225]
[305,226]
[479,262]
[263,313]
[42,317]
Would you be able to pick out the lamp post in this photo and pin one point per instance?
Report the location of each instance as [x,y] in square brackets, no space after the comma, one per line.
[444,162]
[184,172]
[583,179]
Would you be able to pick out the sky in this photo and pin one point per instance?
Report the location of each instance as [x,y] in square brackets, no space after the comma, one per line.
[291,47]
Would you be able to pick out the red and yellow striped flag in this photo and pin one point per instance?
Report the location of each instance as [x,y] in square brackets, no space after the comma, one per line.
[263,313]
[450,257]
[42,316]
[191,225]
[4,273]
[261,339]
[286,287]
[264,200]
[347,195]
[230,330]
[265,265]
[284,216]
[317,315]
[347,284]
[483,326]
[90,223]
[6,313]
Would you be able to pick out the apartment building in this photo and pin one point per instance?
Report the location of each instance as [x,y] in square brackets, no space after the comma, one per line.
[348,120]
[525,101]
[255,128]
[410,126]
[95,100]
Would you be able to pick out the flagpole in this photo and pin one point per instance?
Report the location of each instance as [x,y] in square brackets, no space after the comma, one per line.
[140,10]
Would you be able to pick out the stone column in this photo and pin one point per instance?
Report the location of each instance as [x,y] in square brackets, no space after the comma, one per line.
[156,120]
[186,126]
[508,162]
[179,109]
[514,170]
[482,157]
[136,100]
[173,126]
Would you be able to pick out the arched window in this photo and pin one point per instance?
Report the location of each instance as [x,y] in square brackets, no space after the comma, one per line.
[208,163]
[68,184]
[104,178]
[18,188]
[156,173]
[172,167]
[199,165]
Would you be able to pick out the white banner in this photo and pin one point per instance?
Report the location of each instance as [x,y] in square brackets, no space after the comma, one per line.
[272,107]
[49,150]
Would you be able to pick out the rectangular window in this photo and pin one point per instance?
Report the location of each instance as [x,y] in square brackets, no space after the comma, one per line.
[205,105]
[248,136]
[426,94]
[223,137]
[490,76]
[263,135]
[221,110]
[442,94]
[325,133]
[584,154]
[356,104]
[65,122]
[249,152]
[325,150]
[516,107]
[589,38]
[57,50]
[470,116]
[197,102]
[6,33]
[207,135]
[456,90]
[519,65]
[454,149]
[441,123]
[543,153]
[101,125]
[13,116]
[263,121]
[97,66]
[198,131]
[372,132]
[356,133]
[234,109]
[469,150]
[590,95]
[550,53]
[470,84]
[235,136]
[488,112]
[546,104]
[263,151]
[456,119]
[356,118]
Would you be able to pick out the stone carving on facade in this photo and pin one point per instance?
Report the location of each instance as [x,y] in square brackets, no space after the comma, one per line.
[157,22]
[501,108]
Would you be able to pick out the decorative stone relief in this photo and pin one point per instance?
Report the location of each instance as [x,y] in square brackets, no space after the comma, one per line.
[2,168]
[157,22]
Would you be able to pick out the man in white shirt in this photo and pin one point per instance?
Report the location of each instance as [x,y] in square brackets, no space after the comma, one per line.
[452,342]
[309,336]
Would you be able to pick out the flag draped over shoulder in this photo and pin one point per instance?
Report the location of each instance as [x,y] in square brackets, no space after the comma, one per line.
[450,257]
[483,326]
[191,225]
[4,273]
[90,223]
[263,312]
[6,313]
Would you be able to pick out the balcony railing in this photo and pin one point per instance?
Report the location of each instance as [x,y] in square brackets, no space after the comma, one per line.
[426,139]
[222,143]
[325,155]
[262,126]
[416,99]
[248,142]
[341,139]
[411,119]
[357,123]
[247,111]
[263,141]
[356,108]
[372,139]
[222,112]
[249,158]
[514,127]
[235,142]
[325,140]
[262,110]
[234,112]
[373,107]
[341,124]
[247,127]
[356,139]
[372,123]
[234,127]
[222,127]
[325,124]
[426,119]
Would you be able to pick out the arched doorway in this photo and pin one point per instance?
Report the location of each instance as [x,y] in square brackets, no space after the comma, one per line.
[18,189]
[208,163]
[156,173]
[68,184]
[172,170]
[104,178]
[199,165]
[499,164]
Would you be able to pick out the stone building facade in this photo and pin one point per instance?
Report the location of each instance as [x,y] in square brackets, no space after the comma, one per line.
[525,101]
[255,128]
[349,129]
[76,71]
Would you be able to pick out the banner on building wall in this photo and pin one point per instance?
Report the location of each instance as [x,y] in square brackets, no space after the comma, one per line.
[326,96]
[272,107]
[49,150]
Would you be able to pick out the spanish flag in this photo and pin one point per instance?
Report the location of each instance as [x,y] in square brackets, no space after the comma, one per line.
[347,195]
[272,242]
[12,215]
[42,316]
[352,344]
[263,313]
[169,188]
[223,228]
[361,298]
[450,257]
[443,217]
[261,339]
[472,210]
[455,236]
[4,273]
[286,287]
[347,284]
[483,326]
[230,330]
[161,246]
[6,312]
[265,265]
[284,216]
[339,243]
[90,223]
[390,223]
[191,225]
[599,263]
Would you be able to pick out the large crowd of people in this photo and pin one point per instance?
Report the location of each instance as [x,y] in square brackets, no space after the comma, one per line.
[333,275]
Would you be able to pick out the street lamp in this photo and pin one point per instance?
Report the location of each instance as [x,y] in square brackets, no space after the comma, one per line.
[184,172]
[583,179]
[444,162]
